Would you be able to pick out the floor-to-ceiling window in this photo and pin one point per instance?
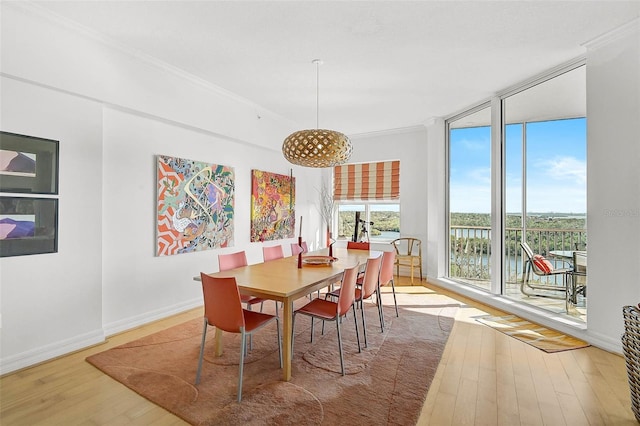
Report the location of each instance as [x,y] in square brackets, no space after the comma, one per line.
[470,196]
[541,187]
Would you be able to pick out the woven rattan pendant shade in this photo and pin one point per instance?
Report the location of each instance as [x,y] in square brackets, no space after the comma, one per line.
[317,147]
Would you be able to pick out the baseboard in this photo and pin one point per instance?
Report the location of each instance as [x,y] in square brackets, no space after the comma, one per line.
[49,352]
[136,321]
[65,347]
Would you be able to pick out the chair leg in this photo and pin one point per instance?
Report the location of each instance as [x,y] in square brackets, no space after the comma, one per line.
[340,346]
[380,311]
[311,329]
[393,287]
[243,343]
[204,337]
[355,319]
[364,322]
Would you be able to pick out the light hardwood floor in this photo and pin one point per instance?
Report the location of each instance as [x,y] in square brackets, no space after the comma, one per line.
[484,378]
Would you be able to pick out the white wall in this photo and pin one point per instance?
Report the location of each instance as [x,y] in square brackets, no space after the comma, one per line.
[113,113]
[613,179]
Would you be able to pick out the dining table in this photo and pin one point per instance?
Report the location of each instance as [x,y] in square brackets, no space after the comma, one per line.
[283,281]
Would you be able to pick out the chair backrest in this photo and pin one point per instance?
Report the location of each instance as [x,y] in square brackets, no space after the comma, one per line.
[272,253]
[371,276]
[579,268]
[232,260]
[527,249]
[407,246]
[222,306]
[296,249]
[386,267]
[347,290]
[539,264]
[358,245]
[580,261]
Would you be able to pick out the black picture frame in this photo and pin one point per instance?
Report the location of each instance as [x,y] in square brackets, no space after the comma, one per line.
[28,225]
[28,164]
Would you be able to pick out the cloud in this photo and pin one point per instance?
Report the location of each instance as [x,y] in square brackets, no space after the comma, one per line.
[566,169]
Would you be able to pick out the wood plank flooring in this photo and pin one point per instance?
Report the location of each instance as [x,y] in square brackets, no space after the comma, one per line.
[484,378]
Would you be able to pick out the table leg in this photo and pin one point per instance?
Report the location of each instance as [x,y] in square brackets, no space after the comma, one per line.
[287,317]
[218,342]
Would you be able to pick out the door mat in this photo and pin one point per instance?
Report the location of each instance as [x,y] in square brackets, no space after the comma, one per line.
[536,335]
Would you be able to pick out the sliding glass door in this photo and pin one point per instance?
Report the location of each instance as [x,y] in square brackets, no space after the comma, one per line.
[540,188]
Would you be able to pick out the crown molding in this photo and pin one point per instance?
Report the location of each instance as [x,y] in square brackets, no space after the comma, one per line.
[617,33]
[388,132]
[34,9]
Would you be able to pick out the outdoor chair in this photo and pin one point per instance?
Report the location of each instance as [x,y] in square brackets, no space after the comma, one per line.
[538,265]
[578,282]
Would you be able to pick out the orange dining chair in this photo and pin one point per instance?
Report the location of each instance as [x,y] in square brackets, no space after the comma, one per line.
[272,253]
[296,249]
[236,260]
[368,286]
[223,310]
[358,245]
[386,276]
[327,310]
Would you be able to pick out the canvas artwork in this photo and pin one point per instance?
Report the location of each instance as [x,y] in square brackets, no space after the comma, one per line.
[195,206]
[272,206]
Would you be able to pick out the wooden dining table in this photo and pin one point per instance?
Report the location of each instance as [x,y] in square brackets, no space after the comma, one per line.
[281,280]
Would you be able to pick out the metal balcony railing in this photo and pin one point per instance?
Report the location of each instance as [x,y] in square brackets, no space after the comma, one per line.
[471,249]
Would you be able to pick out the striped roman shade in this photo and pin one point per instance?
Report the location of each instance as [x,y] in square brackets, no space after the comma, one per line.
[367,181]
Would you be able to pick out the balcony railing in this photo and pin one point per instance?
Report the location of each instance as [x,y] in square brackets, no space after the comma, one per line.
[471,249]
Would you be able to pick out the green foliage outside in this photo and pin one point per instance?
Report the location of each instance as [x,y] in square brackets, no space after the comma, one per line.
[470,247]
[382,221]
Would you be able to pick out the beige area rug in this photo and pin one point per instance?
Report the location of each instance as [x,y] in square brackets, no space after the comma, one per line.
[385,384]
[536,335]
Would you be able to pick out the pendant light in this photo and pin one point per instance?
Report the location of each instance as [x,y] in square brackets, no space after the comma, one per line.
[317,147]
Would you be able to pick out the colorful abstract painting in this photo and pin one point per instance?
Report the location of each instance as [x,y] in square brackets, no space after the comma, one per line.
[195,206]
[272,206]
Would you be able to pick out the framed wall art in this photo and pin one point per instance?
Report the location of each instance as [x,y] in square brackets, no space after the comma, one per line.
[195,206]
[28,164]
[28,225]
[272,206]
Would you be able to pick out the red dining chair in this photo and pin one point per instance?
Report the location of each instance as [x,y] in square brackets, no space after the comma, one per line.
[369,286]
[358,245]
[386,276]
[297,249]
[327,310]
[223,310]
[237,260]
[272,253]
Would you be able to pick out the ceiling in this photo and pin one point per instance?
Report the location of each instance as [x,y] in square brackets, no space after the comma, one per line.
[387,64]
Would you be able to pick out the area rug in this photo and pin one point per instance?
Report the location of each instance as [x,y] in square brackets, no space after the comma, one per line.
[536,335]
[385,384]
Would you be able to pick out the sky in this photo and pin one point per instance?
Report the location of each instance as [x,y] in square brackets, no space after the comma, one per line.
[555,166]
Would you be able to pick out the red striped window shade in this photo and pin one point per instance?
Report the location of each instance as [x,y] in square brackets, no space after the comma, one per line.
[367,181]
